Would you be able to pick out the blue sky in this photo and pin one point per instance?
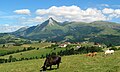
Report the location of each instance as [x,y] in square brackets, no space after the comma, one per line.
[19,13]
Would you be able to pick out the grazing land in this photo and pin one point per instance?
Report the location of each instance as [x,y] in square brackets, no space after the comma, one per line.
[73,63]
[74,58]
[12,48]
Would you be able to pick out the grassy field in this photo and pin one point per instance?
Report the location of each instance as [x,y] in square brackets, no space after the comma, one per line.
[14,48]
[10,49]
[73,63]
[33,53]
[37,45]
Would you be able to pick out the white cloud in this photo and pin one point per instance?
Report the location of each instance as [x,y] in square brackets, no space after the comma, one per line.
[112,13]
[105,5]
[29,21]
[72,13]
[41,11]
[108,11]
[23,11]
[9,17]
[117,11]
[37,19]
[9,28]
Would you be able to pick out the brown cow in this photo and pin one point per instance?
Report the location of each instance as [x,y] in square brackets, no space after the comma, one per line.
[89,54]
[51,60]
[92,54]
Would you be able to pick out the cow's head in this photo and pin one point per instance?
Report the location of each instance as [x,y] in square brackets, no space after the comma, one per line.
[44,68]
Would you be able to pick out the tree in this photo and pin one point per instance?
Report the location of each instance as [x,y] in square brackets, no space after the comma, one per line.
[10,58]
[3,41]
[3,46]
[37,48]
[113,48]
[2,60]
[110,45]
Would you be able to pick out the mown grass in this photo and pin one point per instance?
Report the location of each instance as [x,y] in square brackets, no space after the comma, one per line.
[73,63]
[10,49]
[14,48]
[38,45]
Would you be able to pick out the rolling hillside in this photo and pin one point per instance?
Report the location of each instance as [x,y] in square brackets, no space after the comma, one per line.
[73,63]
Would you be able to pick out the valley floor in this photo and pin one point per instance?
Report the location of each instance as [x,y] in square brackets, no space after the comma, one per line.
[73,63]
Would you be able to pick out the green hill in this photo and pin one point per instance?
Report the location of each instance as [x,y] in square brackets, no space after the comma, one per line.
[51,30]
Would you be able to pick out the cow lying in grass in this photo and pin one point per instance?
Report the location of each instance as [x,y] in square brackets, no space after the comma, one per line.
[51,60]
[92,54]
[109,52]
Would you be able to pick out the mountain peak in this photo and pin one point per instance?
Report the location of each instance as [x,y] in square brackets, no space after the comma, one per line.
[51,18]
[51,21]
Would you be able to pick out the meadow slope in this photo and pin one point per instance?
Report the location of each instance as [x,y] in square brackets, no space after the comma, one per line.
[73,63]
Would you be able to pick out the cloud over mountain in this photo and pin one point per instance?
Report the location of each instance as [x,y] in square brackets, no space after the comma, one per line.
[112,13]
[72,13]
[68,13]
[9,28]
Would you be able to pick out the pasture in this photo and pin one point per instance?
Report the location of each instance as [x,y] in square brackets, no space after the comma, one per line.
[14,48]
[72,63]
[32,53]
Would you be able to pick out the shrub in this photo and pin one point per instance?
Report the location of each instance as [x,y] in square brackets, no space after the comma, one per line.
[113,48]
[2,60]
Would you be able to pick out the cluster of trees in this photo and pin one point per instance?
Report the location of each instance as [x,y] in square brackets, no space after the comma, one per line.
[3,41]
[81,50]
[114,48]
[13,59]
[11,52]
[10,59]
[86,49]
[72,51]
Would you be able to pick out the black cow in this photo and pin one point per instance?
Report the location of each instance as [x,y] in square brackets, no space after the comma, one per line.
[51,60]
